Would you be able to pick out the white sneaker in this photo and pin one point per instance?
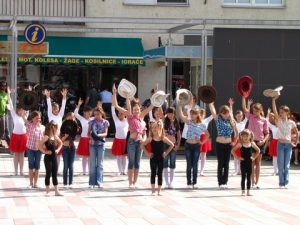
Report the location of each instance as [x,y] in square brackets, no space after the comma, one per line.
[100,186]
[225,186]
[286,187]
[131,186]
[91,186]
[171,186]
[71,186]
[221,186]
[118,174]
[189,186]
[166,186]
[195,186]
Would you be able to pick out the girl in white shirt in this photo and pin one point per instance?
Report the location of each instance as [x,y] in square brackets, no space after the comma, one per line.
[56,115]
[83,148]
[19,136]
[119,144]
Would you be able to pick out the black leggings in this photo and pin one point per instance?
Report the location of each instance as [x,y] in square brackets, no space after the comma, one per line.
[51,169]
[246,170]
[223,155]
[156,166]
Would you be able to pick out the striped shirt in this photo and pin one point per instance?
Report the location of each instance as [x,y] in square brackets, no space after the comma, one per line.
[284,129]
[35,133]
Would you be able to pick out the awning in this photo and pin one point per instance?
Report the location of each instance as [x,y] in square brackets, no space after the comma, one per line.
[87,51]
[176,52]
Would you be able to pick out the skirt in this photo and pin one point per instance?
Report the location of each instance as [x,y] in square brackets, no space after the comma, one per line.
[118,147]
[273,147]
[83,148]
[18,143]
[238,151]
[206,147]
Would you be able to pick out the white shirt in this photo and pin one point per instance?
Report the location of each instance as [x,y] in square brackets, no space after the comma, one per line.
[84,123]
[121,126]
[207,120]
[56,118]
[284,129]
[185,128]
[274,130]
[241,126]
[19,125]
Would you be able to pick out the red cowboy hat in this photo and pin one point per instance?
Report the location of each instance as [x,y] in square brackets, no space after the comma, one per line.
[244,86]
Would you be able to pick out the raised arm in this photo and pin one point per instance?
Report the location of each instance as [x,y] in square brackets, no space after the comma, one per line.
[115,102]
[182,117]
[49,105]
[64,93]
[275,109]
[231,102]
[77,115]
[244,105]
[213,110]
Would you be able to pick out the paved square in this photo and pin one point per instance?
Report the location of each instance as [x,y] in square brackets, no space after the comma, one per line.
[117,204]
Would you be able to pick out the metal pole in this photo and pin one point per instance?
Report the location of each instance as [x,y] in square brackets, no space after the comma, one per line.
[14,64]
[169,72]
[203,61]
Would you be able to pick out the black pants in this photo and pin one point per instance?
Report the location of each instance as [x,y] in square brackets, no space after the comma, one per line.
[246,170]
[223,155]
[51,169]
[156,166]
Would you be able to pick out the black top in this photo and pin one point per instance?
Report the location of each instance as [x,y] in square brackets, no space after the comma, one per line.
[51,146]
[157,149]
[246,153]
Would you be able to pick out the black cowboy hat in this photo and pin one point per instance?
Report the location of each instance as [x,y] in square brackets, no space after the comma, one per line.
[69,127]
[207,94]
[28,100]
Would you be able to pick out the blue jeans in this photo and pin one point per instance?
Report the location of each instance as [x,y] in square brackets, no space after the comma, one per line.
[68,155]
[192,153]
[96,164]
[284,153]
[170,157]
[34,159]
[134,154]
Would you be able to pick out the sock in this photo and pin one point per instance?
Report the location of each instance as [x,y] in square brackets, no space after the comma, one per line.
[166,175]
[16,159]
[172,172]
[203,160]
[85,160]
[119,162]
[124,163]
[275,166]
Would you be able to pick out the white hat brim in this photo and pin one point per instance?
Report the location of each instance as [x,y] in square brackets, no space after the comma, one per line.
[159,98]
[272,92]
[186,100]
[126,88]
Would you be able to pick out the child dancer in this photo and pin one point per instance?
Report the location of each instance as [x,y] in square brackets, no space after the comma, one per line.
[56,115]
[186,112]
[50,145]
[99,125]
[119,144]
[83,147]
[192,145]
[137,128]
[35,133]
[246,146]
[273,142]
[258,125]
[157,139]
[285,142]
[172,132]
[240,124]
[206,147]
[68,153]
[19,136]
[225,126]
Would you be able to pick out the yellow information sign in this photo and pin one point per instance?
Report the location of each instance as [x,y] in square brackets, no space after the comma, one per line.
[24,48]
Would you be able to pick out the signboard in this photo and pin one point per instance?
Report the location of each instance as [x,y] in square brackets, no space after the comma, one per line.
[35,33]
[77,61]
[24,48]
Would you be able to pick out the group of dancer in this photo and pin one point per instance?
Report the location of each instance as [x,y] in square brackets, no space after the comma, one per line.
[161,144]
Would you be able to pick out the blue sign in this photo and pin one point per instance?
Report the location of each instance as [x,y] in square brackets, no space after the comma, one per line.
[35,33]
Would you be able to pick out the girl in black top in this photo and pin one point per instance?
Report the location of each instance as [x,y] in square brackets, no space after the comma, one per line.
[157,140]
[50,145]
[246,145]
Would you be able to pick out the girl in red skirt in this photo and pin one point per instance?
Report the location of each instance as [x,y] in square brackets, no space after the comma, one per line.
[19,136]
[83,148]
[273,142]
[119,144]
[206,146]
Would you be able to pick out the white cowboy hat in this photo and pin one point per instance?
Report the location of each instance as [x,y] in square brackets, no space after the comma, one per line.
[159,98]
[272,92]
[183,96]
[126,88]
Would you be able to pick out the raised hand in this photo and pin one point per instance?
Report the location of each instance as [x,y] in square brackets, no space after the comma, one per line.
[8,90]
[80,101]
[230,101]
[114,90]
[156,88]
[64,92]
[47,93]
